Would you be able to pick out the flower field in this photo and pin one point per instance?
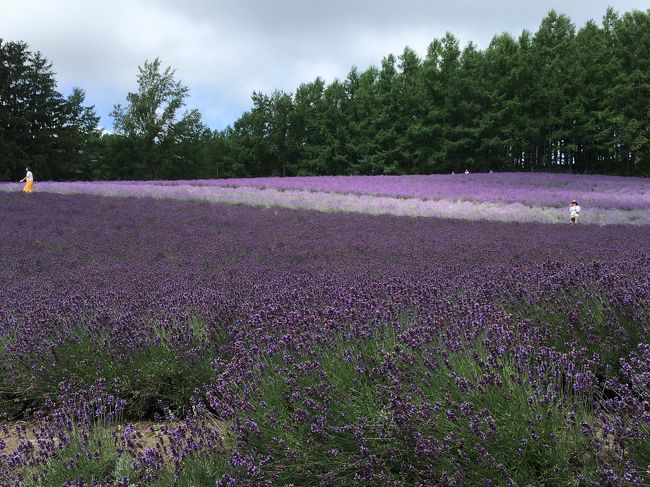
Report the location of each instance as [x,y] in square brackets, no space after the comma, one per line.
[538,189]
[538,197]
[165,341]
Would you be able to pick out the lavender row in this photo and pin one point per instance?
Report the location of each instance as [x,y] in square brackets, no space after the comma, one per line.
[262,308]
[536,189]
[349,202]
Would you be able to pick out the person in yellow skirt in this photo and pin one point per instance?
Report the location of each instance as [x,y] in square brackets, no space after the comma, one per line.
[28,180]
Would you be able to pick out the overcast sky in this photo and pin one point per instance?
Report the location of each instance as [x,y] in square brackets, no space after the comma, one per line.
[224,50]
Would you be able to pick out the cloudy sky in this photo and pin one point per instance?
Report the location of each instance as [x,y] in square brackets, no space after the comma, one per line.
[225,50]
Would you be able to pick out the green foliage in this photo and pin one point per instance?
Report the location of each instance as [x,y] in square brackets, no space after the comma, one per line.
[558,99]
[94,456]
[151,120]
[553,100]
[579,321]
[555,456]
[167,371]
[195,471]
[38,126]
[99,461]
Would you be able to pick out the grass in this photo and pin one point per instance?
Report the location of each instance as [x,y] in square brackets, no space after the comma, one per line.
[163,372]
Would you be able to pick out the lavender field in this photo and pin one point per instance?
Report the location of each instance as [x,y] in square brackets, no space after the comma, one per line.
[521,197]
[537,189]
[165,341]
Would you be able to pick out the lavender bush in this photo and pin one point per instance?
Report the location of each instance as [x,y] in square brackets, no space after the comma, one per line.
[277,346]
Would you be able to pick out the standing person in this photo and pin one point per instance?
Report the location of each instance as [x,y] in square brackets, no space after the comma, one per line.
[574,211]
[28,180]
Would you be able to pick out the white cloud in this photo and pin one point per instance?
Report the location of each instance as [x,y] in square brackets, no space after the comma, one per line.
[225,50]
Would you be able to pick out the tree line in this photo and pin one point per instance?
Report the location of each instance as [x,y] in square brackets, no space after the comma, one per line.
[558,99]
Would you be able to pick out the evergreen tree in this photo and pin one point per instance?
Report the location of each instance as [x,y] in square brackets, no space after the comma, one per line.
[628,99]
[307,135]
[38,126]
[553,100]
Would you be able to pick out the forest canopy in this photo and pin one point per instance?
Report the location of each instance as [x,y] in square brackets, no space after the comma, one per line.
[558,99]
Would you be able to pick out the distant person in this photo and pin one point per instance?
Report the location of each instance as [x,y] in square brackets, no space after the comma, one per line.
[574,211]
[466,171]
[28,180]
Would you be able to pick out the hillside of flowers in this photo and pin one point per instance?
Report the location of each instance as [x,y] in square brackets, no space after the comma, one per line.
[162,341]
[539,189]
[520,197]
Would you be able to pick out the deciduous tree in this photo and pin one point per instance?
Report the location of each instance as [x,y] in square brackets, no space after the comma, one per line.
[152,117]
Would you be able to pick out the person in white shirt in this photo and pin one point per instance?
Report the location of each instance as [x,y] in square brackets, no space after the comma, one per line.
[28,180]
[574,212]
